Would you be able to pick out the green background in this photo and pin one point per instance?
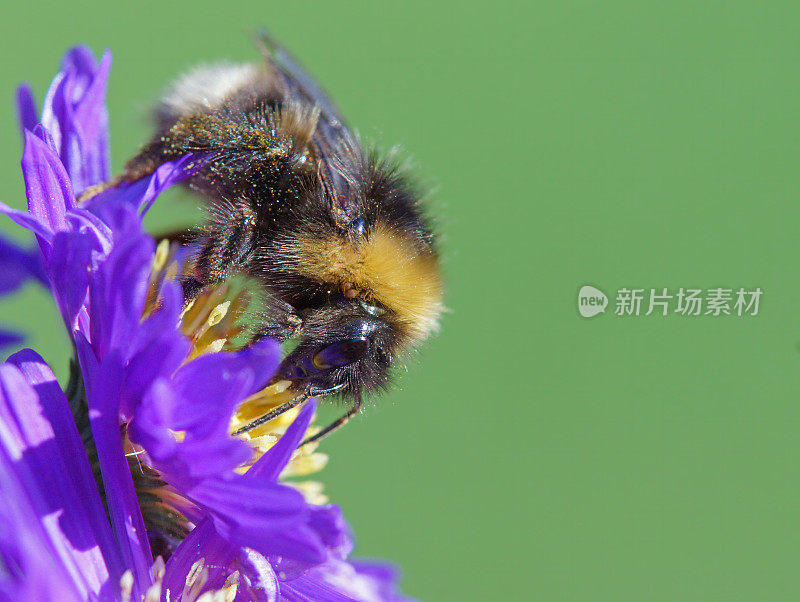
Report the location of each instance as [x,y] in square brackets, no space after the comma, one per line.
[532,454]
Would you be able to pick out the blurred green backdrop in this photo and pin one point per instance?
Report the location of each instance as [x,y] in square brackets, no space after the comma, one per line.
[532,454]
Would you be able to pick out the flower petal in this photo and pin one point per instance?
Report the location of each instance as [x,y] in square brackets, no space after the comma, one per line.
[32,567]
[10,338]
[242,373]
[27,221]
[44,455]
[74,113]
[27,115]
[70,262]
[91,116]
[257,581]
[328,522]
[118,290]
[341,581]
[17,265]
[47,185]
[241,508]
[143,193]
[271,464]
[103,381]
[59,415]
[183,463]
[156,350]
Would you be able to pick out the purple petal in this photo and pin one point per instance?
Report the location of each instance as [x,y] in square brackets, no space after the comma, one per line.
[90,93]
[54,109]
[378,570]
[74,112]
[339,581]
[271,464]
[207,457]
[329,523]
[45,136]
[169,174]
[89,223]
[242,509]
[184,463]
[329,526]
[70,262]
[384,578]
[47,184]
[59,415]
[118,291]
[17,265]
[157,349]
[9,338]
[208,389]
[213,385]
[313,586]
[90,124]
[143,193]
[258,582]
[27,221]
[27,115]
[102,381]
[39,437]
[32,568]
[80,62]
[149,427]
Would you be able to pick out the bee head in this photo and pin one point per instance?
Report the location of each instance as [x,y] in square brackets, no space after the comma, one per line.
[348,346]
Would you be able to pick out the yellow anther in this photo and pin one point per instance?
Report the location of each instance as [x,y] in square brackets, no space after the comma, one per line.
[162,253]
[218,313]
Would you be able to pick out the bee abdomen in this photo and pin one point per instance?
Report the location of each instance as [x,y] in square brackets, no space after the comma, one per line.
[205,88]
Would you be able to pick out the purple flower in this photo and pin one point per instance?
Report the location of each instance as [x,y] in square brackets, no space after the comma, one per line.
[60,537]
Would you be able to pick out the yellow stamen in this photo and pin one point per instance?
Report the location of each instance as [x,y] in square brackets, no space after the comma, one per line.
[218,313]
[126,585]
[186,309]
[215,346]
[172,270]
[311,490]
[304,465]
[196,579]
[161,256]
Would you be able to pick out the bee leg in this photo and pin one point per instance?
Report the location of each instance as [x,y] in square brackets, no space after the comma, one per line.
[273,414]
[336,424]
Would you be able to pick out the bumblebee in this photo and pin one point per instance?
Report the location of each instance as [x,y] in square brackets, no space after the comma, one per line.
[334,235]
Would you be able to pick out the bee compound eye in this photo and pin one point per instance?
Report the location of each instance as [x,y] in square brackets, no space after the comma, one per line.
[340,354]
